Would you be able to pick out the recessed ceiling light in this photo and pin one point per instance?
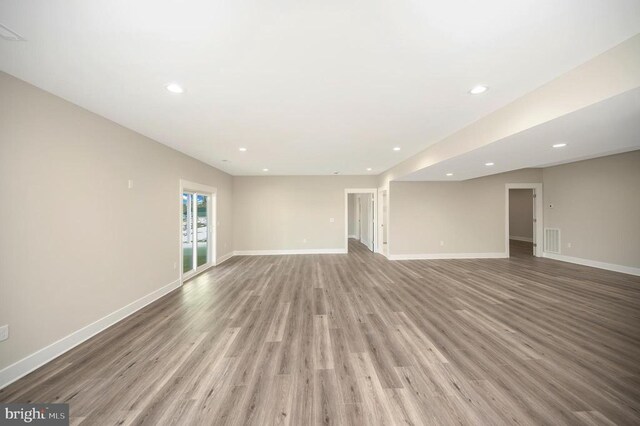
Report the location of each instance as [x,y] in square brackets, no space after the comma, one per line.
[476,90]
[369,169]
[559,145]
[397,148]
[449,174]
[265,170]
[175,88]
[488,164]
[336,173]
[242,149]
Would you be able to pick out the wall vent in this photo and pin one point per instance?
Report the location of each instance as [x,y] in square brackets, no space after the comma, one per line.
[552,240]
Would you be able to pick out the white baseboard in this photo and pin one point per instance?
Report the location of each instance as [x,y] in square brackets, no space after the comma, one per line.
[593,263]
[37,359]
[281,252]
[526,239]
[353,236]
[433,256]
[380,251]
[224,258]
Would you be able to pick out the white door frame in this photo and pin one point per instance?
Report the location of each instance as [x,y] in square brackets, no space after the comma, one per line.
[381,222]
[538,224]
[358,217]
[212,213]
[374,193]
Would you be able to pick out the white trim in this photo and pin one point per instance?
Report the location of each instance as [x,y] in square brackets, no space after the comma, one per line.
[283,252]
[593,263]
[525,239]
[433,256]
[538,226]
[388,225]
[202,269]
[225,258]
[37,359]
[355,237]
[381,191]
[196,187]
[374,192]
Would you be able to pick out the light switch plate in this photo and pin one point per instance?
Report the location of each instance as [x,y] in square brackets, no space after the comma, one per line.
[4,332]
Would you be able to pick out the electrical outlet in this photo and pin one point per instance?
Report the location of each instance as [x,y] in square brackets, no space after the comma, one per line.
[441,243]
[568,245]
[175,265]
[331,220]
[304,240]
[4,332]
[130,184]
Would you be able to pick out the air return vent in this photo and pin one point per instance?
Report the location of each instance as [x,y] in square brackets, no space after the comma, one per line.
[552,240]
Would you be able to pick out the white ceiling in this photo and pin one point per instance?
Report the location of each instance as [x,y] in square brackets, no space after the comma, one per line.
[307,87]
[608,127]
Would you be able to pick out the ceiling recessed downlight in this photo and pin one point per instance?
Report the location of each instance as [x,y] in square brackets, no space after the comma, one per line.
[488,164]
[559,145]
[396,148]
[242,149]
[369,169]
[175,88]
[449,174]
[476,90]
[265,170]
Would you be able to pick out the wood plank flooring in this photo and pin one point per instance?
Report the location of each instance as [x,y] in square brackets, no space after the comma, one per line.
[357,339]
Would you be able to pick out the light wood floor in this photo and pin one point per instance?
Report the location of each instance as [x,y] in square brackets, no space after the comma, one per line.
[520,249]
[356,339]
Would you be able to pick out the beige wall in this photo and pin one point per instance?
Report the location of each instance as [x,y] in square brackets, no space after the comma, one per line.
[596,205]
[76,244]
[467,216]
[280,212]
[521,214]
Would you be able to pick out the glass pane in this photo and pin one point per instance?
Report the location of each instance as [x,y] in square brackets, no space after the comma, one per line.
[203,234]
[187,232]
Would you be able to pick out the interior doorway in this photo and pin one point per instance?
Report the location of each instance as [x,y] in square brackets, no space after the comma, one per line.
[521,212]
[523,220]
[361,218]
[197,228]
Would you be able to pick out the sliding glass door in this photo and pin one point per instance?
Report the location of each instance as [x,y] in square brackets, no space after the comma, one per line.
[196,231]
[202,229]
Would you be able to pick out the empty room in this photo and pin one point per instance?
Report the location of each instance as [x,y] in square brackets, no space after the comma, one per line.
[346,213]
